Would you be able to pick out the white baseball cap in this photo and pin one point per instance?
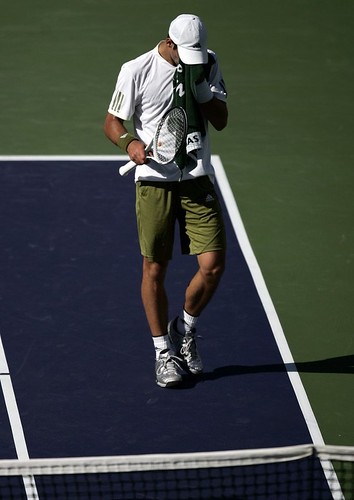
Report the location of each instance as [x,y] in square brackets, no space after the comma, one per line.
[189,34]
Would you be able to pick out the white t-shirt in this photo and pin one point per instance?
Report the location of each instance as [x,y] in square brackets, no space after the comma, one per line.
[143,93]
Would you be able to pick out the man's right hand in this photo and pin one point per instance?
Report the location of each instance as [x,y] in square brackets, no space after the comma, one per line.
[136,151]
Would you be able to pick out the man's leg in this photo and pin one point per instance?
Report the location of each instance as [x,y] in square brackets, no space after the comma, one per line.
[154,296]
[204,283]
[198,294]
[155,303]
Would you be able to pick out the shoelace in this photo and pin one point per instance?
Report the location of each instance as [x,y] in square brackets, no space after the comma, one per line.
[170,359]
[188,348]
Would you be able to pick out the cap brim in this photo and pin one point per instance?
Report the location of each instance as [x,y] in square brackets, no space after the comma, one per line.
[190,56]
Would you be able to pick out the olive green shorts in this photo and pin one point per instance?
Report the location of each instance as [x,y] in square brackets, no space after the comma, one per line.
[193,203]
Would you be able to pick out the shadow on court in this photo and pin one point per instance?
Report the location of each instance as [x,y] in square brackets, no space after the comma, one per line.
[341,364]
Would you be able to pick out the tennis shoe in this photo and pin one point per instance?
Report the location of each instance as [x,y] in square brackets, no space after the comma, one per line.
[166,370]
[186,347]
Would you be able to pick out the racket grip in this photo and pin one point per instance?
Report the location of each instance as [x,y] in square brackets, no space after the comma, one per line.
[128,167]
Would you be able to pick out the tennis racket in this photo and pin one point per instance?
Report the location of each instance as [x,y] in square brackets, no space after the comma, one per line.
[167,141]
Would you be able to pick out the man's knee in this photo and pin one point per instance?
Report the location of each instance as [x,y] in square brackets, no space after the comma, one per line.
[154,271]
[213,274]
[212,266]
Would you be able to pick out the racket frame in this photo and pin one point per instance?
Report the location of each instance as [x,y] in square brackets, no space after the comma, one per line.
[131,165]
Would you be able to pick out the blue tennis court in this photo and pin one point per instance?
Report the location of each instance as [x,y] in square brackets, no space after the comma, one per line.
[76,347]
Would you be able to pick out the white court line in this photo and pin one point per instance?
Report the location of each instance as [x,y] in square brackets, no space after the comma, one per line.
[266,301]
[259,282]
[15,422]
[92,158]
[274,322]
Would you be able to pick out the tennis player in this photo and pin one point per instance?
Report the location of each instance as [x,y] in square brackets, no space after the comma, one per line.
[180,66]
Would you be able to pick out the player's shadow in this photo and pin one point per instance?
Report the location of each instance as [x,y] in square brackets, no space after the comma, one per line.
[340,364]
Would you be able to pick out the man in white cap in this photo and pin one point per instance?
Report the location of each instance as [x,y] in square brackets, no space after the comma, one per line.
[146,87]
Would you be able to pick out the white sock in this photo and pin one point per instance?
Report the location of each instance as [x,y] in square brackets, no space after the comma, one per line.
[186,322]
[161,343]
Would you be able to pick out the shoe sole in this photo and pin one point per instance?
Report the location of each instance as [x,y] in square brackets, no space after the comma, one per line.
[169,384]
[194,372]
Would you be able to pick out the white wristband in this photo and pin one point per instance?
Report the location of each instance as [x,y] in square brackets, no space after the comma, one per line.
[203,92]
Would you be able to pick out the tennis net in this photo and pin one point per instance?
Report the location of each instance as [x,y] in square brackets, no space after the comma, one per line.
[295,472]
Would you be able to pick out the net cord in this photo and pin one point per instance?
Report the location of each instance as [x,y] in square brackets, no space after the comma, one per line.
[149,462]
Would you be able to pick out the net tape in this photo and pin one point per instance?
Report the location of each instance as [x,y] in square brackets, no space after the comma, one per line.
[217,462]
[171,461]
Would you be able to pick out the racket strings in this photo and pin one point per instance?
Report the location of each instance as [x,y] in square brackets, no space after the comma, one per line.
[170,136]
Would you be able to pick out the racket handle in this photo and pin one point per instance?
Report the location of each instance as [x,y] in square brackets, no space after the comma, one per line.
[128,167]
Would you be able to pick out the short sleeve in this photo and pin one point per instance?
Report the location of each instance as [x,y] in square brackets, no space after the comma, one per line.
[123,99]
